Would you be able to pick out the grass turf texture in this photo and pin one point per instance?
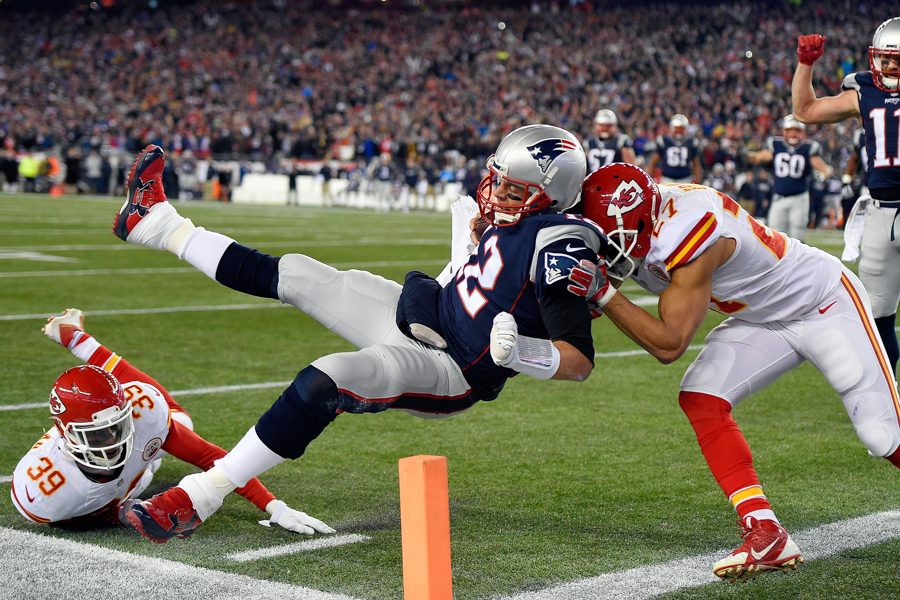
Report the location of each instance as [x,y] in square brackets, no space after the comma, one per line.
[551,482]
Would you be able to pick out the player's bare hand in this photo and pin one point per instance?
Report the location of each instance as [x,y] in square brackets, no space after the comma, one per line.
[293,520]
[477,227]
[810,48]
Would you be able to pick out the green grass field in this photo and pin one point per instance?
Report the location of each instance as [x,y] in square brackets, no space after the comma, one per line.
[552,482]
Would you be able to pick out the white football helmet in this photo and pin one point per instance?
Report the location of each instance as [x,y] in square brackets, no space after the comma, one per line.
[678,125]
[605,123]
[547,162]
[793,130]
[885,44]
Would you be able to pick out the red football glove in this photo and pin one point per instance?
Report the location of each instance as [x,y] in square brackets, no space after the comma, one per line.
[590,282]
[810,48]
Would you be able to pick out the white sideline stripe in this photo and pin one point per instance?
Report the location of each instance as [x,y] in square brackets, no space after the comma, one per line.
[157,270]
[6,479]
[97,572]
[224,389]
[653,580]
[306,546]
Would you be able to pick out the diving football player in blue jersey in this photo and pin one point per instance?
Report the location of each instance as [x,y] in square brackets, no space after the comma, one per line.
[423,347]
[873,96]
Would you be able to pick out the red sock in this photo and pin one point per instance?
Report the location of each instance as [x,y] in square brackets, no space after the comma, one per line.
[725,449]
[894,458]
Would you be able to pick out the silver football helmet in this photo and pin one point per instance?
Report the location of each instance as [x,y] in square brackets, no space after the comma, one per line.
[793,130]
[547,162]
[678,125]
[885,44]
[605,122]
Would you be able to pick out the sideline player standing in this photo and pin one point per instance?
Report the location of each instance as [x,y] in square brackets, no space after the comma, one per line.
[109,440]
[678,153]
[793,159]
[507,310]
[872,96]
[787,302]
[607,145]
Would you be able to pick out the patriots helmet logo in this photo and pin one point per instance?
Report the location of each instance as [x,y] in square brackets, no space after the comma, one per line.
[557,266]
[546,151]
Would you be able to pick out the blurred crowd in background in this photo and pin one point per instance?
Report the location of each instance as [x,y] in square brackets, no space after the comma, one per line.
[417,93]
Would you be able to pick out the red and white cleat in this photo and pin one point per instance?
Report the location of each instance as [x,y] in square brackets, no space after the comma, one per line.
[61,328]
[767,547]
[144,189]
[162,517]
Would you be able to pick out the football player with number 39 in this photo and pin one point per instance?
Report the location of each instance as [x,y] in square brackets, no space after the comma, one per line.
[109,440]
[873,96]
[427,348]
[787,302]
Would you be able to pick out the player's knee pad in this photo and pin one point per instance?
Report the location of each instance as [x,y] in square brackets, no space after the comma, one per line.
[875,427]
[707,414]
[249,271]
[300,414]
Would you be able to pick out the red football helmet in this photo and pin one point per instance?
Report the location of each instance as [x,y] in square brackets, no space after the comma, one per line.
[624,201]
[89,408]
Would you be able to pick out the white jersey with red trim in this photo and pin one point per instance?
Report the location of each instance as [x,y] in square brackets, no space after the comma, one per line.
[48,486]
[769,277]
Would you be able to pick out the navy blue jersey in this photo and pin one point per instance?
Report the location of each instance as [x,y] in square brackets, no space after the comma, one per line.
[603,152]
[791,165]
[676,156]
[514,270]
[880,113]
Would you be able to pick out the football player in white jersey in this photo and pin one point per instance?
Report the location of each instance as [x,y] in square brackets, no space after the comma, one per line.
[109,439]
[787,302]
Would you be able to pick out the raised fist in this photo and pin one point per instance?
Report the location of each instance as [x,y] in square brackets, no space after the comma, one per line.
[810,48]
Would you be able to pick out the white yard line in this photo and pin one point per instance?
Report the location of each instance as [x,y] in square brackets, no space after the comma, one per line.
[154,311]
[381,241]
[5,478]
[224,389]
[317,543]
[664,578]
[160,270]
[89,572]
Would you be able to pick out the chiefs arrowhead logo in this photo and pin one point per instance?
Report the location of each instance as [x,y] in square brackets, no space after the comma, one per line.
[627,197]
[56,405]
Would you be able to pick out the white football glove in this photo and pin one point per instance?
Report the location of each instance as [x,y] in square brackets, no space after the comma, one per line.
[532,356]
[504,338]
[293,520]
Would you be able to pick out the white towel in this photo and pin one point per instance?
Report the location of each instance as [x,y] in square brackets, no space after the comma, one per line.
[853,229]
[461,247]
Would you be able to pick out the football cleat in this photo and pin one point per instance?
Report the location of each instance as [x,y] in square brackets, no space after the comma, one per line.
[767,547]
[162,517]
[144,189]
[61,328]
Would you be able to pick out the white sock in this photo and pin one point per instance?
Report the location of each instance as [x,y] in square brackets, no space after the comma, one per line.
[764,514]
[207,490]
[160,227]
[250,458]
[204,249]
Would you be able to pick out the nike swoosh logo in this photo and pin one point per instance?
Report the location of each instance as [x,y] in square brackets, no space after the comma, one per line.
[571,248]
[759,555]
[28,495]
[822,310]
